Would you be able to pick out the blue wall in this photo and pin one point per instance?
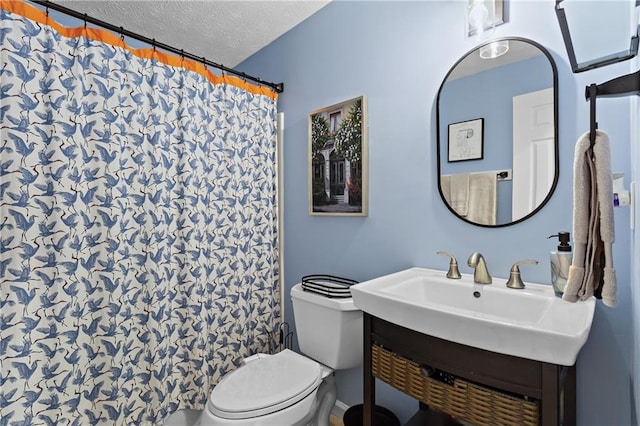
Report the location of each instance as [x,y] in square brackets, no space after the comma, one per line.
[397,53]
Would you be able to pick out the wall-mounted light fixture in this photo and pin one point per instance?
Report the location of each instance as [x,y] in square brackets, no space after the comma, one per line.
[482,16]
[598,33]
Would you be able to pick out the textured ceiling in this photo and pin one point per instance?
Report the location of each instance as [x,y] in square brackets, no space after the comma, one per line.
[222,31]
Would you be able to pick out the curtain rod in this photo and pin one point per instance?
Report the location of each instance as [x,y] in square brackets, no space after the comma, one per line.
[278,87]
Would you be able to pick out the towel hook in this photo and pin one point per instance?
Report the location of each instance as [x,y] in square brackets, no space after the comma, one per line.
[625,85]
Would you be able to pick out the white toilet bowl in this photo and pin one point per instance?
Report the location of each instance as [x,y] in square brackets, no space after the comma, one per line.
[282,389]
[289,389]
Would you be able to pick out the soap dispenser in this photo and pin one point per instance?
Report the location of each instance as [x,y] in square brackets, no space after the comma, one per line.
[560,262]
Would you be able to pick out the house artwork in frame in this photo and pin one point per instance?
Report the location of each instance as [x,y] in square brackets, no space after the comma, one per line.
[338,159]
[465,140]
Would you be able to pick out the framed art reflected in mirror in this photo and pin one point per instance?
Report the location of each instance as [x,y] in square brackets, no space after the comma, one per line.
[465,141]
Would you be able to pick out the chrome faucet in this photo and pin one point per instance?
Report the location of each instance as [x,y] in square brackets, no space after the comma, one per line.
[480,273]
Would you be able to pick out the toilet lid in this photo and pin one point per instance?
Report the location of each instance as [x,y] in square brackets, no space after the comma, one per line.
[265,385]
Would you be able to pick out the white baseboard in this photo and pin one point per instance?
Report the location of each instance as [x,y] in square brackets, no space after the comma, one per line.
[339,408]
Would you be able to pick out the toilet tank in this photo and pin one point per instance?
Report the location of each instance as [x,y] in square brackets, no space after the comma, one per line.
[329,330]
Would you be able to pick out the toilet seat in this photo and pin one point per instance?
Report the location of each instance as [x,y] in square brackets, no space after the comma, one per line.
[265,385]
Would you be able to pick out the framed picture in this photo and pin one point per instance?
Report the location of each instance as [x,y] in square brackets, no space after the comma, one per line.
[338,159]
[465,140]
[483,15]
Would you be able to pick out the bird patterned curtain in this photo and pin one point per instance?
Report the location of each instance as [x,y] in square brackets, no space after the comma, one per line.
[139,257]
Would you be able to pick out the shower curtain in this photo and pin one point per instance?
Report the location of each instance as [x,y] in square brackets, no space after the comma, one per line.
[139,257]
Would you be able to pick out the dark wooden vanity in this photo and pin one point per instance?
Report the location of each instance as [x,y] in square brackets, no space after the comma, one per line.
[551,387]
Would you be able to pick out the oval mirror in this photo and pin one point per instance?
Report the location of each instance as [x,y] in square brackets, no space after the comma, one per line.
[497,139]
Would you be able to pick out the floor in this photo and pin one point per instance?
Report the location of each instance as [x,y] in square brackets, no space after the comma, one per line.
[189,418]
[335,421]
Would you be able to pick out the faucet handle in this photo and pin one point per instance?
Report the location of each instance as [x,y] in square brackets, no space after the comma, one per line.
[514,276]
[454,272]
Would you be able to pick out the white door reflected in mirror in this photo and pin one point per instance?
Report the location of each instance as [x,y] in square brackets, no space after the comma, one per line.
[533,150]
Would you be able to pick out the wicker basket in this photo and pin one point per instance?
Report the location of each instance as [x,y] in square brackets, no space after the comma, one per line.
[463,400]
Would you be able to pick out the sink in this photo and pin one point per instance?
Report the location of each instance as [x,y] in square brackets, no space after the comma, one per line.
[530,323]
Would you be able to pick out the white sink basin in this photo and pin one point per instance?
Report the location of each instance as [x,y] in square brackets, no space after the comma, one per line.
[531,323]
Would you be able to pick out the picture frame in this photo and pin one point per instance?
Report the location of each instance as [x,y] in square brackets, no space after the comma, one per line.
[338,159]
[486,14]
[466,141]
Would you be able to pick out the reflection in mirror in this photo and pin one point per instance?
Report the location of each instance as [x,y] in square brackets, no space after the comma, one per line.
[497,133]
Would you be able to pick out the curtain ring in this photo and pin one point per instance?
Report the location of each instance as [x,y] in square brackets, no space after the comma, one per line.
[85,21]
[121,33]
[153,44]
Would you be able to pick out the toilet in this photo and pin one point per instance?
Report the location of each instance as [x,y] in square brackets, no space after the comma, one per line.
[287,388]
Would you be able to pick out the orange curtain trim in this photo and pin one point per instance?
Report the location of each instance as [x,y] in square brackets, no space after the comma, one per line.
[105,36]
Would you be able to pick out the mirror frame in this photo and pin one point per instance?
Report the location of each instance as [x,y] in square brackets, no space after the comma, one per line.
[554,69]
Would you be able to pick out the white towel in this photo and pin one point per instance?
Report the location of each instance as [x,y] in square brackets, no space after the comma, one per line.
[483,198]
[459,193]
[445,183]
[593,227]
